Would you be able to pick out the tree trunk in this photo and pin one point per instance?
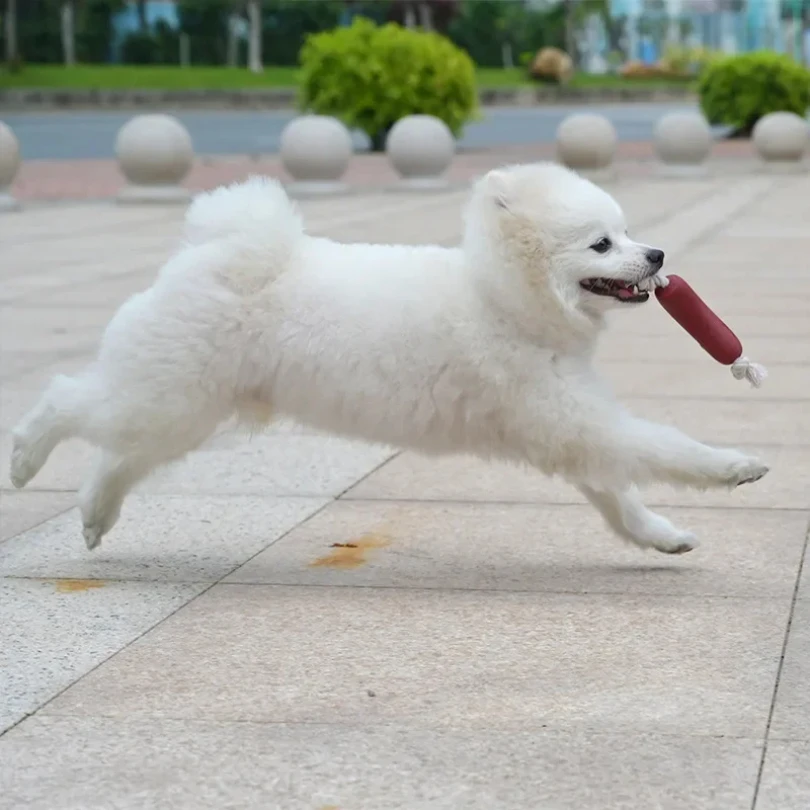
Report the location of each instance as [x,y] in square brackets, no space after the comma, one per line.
[507,57]
[232,47]
[68,35]
[12,52]
[425,16]
[570,41]
[255,36]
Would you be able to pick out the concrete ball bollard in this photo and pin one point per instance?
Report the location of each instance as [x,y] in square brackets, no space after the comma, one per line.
[682,142]
[586,143]
[9,166]
[315,152]
[155,154]
[421,149]
[781,140]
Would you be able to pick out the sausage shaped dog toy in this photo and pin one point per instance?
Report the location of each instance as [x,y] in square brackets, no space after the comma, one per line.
[693,314]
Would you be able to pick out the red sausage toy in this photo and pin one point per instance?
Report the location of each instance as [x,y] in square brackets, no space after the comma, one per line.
[692,313]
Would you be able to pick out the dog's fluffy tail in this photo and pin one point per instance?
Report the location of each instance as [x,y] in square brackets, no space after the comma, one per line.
[256,214]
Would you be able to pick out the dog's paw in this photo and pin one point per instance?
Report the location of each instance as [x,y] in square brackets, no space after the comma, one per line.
[657,532]
[23,467]
[746,470]
[92,536]
[681,542]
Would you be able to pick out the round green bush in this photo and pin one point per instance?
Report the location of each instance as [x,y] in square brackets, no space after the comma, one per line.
[739,90]
[369,77]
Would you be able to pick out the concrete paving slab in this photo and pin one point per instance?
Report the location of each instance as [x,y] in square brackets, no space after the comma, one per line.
[305,465]
[19,364]
[48,286]
[33,382]
[738,422]
[561,549]
[732,247]
[105,294]
[785,777]
[179,765]
[56,630]
[164,539]
[22,510]
[791,714]
[608,663]
[42,328]
[704,379]
[462,648]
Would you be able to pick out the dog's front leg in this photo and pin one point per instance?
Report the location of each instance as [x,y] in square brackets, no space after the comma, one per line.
[604,447]
[624,512]
[662,453]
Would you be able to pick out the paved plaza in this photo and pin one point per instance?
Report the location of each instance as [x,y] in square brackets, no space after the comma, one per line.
[297,622]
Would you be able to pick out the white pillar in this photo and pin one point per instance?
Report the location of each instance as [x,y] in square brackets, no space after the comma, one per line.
[68,36]
[254,10]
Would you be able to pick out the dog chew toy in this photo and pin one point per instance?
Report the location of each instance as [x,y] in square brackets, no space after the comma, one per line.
[693,314]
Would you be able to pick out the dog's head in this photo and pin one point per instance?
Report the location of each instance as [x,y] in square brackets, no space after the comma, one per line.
[559,240]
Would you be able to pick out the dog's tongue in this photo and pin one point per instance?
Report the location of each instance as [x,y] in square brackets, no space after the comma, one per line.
[624,292]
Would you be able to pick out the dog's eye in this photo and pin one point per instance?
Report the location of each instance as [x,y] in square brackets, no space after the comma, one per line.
[602,246]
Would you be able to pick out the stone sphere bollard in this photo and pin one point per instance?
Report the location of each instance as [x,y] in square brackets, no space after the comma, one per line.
[155,154]
[315,151]
[781,140]
[586,143]
[421,149]
[9,165]
[683,142]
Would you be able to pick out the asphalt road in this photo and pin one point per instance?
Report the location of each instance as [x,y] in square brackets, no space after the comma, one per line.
[74,135]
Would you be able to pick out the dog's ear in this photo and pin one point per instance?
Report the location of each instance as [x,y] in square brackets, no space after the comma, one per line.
[498,187]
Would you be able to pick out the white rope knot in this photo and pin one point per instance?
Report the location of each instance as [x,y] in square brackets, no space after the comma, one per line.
[744,369]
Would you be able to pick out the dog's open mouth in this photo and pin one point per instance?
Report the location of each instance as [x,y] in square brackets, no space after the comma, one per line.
[615,288]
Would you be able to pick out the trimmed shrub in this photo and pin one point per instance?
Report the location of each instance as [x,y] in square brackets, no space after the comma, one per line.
[369,77]
[552,65]
[739,90]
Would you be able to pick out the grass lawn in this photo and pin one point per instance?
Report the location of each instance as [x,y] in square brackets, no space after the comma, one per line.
[516,77]
[618,82]
[163,77]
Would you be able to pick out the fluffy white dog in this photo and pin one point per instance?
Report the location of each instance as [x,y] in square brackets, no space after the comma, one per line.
[483,349]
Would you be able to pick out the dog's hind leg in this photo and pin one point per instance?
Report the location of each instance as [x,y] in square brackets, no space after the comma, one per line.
[116,473]
[630,519]
[102,495]
[56,417]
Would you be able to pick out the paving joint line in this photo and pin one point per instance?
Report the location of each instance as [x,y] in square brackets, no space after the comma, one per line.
[412,725]
[779,669]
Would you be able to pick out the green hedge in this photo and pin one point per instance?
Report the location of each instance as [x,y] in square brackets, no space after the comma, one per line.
[369,77]
[739,90]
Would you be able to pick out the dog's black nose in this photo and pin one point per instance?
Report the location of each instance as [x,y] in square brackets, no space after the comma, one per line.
[655,257]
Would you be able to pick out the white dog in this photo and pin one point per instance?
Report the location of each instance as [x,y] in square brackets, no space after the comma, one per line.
[484,349]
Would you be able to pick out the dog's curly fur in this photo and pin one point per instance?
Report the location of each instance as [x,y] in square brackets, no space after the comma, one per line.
[482,349]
